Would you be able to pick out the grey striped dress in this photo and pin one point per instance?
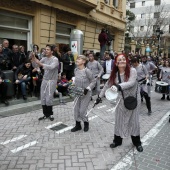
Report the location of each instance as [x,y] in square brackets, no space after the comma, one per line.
[126,121]
[48,86]
[83,78]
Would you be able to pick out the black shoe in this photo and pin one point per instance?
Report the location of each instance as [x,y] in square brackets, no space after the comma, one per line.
[139,148]
[24,97]
[77,127]
[86,126]
[5,102]
[51,118]
[114,145]
[168,98]
[149,112]
[163,98]
[42,118]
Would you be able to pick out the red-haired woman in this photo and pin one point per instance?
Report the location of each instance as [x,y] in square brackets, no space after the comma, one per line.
[126,121]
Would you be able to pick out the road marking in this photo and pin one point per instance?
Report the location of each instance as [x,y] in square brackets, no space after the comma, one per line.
[24,147]
[55,124]
[101,106]
[109,110]
[127,160]
[13,139]
[93,117]
[64,130]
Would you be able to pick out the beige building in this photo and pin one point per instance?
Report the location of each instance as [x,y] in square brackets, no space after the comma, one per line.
[51,21]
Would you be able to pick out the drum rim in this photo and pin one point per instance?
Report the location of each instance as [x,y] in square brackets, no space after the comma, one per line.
[115,94]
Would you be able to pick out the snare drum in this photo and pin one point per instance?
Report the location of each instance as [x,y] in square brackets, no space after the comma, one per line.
[161,87]
[105,76]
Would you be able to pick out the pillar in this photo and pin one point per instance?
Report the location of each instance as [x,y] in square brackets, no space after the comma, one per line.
[133,46]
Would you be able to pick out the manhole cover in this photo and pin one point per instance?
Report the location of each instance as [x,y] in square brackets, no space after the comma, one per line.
[59,127]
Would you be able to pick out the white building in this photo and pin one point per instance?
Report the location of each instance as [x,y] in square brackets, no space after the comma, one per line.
[150,15]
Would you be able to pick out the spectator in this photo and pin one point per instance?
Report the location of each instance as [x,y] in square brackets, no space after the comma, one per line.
[102,38]
[16,58]
[6,50]
[68,64]
[23,76]
[3,89]
[22,52]
[108,64]
[56,53]
[63,84]
[4,60]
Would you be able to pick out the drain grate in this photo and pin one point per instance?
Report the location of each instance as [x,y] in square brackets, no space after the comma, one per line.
[59,127]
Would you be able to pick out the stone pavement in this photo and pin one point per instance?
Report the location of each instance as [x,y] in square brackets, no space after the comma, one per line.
[27,144]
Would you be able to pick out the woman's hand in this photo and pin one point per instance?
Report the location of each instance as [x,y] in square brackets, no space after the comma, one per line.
[98,100]
[25,77]
[114,88]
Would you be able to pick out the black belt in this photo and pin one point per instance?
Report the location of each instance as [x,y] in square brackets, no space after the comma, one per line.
[141,79]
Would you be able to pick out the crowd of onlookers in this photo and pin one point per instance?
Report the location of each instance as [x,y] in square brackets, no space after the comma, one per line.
[27,76]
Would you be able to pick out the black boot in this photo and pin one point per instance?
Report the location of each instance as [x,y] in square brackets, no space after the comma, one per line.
[86,126]
[163,97]
[116,142]
[44,107]
[50,112]
[77,127]
[168,97]
[136,141]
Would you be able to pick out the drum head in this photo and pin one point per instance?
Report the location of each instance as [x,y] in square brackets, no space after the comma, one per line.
[106,76]
[111,95]
[161,83]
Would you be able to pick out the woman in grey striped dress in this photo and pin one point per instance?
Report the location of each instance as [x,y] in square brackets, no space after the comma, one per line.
[126,121]
[83,79]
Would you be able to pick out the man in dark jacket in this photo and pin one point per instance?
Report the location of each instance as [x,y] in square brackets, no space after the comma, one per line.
[3,89]
[103,40]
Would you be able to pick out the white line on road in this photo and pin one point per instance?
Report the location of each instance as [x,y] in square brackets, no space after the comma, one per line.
[55,124]
[127,161]
[101,106]
[64,130]
[93,117]
[13,139]
[24,147]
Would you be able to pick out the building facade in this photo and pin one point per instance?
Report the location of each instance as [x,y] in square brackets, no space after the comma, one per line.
[150,15]
[27,22]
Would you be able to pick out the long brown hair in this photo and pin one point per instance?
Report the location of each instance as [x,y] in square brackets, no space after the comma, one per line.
[115,70]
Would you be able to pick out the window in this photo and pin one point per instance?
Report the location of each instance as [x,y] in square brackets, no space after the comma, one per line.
[141,28]
[143,15]
[157,2]
[169,28]
[132,5]
[156,14]
[143,3]
[132,29]
[115,3]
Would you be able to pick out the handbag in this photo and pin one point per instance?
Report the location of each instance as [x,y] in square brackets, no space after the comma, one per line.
[130,102]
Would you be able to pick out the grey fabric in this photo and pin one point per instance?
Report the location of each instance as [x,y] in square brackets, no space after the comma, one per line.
[165,74]
[126,121]
[83,78]
[48,86]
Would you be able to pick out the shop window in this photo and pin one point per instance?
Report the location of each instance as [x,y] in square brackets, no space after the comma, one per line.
[16,28]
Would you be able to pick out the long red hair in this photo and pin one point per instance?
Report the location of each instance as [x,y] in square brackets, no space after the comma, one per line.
[115,70]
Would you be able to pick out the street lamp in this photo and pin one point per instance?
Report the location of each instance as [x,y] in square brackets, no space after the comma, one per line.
[159,33]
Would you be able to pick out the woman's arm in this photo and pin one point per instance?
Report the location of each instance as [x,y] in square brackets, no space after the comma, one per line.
[52,66]
[132,80]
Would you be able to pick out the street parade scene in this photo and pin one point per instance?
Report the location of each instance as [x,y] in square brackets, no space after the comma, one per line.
[85,85]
